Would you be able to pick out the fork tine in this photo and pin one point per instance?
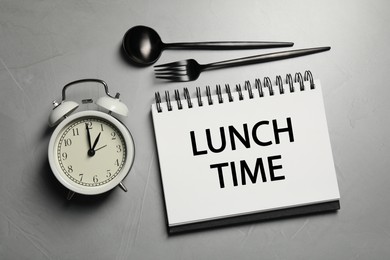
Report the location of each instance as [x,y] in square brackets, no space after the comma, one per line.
[170,74]
[171,71]
[181,68]
[176,63]
[174,78]
[171,78]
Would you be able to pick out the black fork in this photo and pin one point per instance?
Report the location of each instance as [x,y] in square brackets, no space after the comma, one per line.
[189,70]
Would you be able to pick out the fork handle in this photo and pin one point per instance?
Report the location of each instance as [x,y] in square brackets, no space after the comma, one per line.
[263,58]
[227,45]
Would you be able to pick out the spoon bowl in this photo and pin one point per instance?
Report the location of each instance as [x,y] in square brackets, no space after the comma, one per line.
[143,46]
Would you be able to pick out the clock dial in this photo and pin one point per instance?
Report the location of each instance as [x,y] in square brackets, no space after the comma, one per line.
[90,151]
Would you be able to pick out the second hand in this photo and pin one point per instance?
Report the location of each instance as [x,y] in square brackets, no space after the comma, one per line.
[100,148]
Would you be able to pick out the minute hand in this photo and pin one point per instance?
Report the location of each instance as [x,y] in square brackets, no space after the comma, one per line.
[89,136]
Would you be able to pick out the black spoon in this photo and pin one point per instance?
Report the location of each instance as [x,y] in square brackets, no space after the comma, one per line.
[143,45]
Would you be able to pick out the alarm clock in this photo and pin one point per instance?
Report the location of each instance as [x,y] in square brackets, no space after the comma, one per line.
[90,152]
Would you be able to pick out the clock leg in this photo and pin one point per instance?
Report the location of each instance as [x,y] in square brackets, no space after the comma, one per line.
[70,195]
[123,186]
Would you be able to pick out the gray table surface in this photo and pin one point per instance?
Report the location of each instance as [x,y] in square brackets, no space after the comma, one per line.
[46,44]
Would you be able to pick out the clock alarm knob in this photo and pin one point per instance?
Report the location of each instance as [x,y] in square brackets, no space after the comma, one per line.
[113,105]
[60,111]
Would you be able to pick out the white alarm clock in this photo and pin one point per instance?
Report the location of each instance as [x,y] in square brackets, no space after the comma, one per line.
[90,152]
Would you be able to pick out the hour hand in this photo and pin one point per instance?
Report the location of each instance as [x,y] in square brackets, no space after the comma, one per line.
[96,141]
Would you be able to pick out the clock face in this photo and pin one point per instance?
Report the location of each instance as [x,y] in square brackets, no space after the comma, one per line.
[91,152]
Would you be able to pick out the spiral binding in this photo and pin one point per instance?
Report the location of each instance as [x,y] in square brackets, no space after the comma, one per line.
[298,78]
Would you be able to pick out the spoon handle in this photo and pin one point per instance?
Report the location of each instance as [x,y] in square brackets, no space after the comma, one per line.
[227,45]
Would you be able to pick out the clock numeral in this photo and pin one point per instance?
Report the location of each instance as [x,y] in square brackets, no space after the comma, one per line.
[113,136]
[75,131]
[108,175]
[81,176]
[64,156]
[95,179]
[101,127]
[70,169]
[116,162]
[118,148]
[68,142]
[89,124]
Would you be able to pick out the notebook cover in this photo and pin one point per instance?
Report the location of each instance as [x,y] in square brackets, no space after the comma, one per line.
[262,216]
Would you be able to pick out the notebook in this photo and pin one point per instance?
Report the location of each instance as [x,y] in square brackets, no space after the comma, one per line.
[254,151]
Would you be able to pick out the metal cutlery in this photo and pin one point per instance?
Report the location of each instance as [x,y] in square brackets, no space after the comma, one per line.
[143,46]
[189,70]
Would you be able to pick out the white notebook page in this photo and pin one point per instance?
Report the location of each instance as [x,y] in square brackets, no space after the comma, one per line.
[200,184]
